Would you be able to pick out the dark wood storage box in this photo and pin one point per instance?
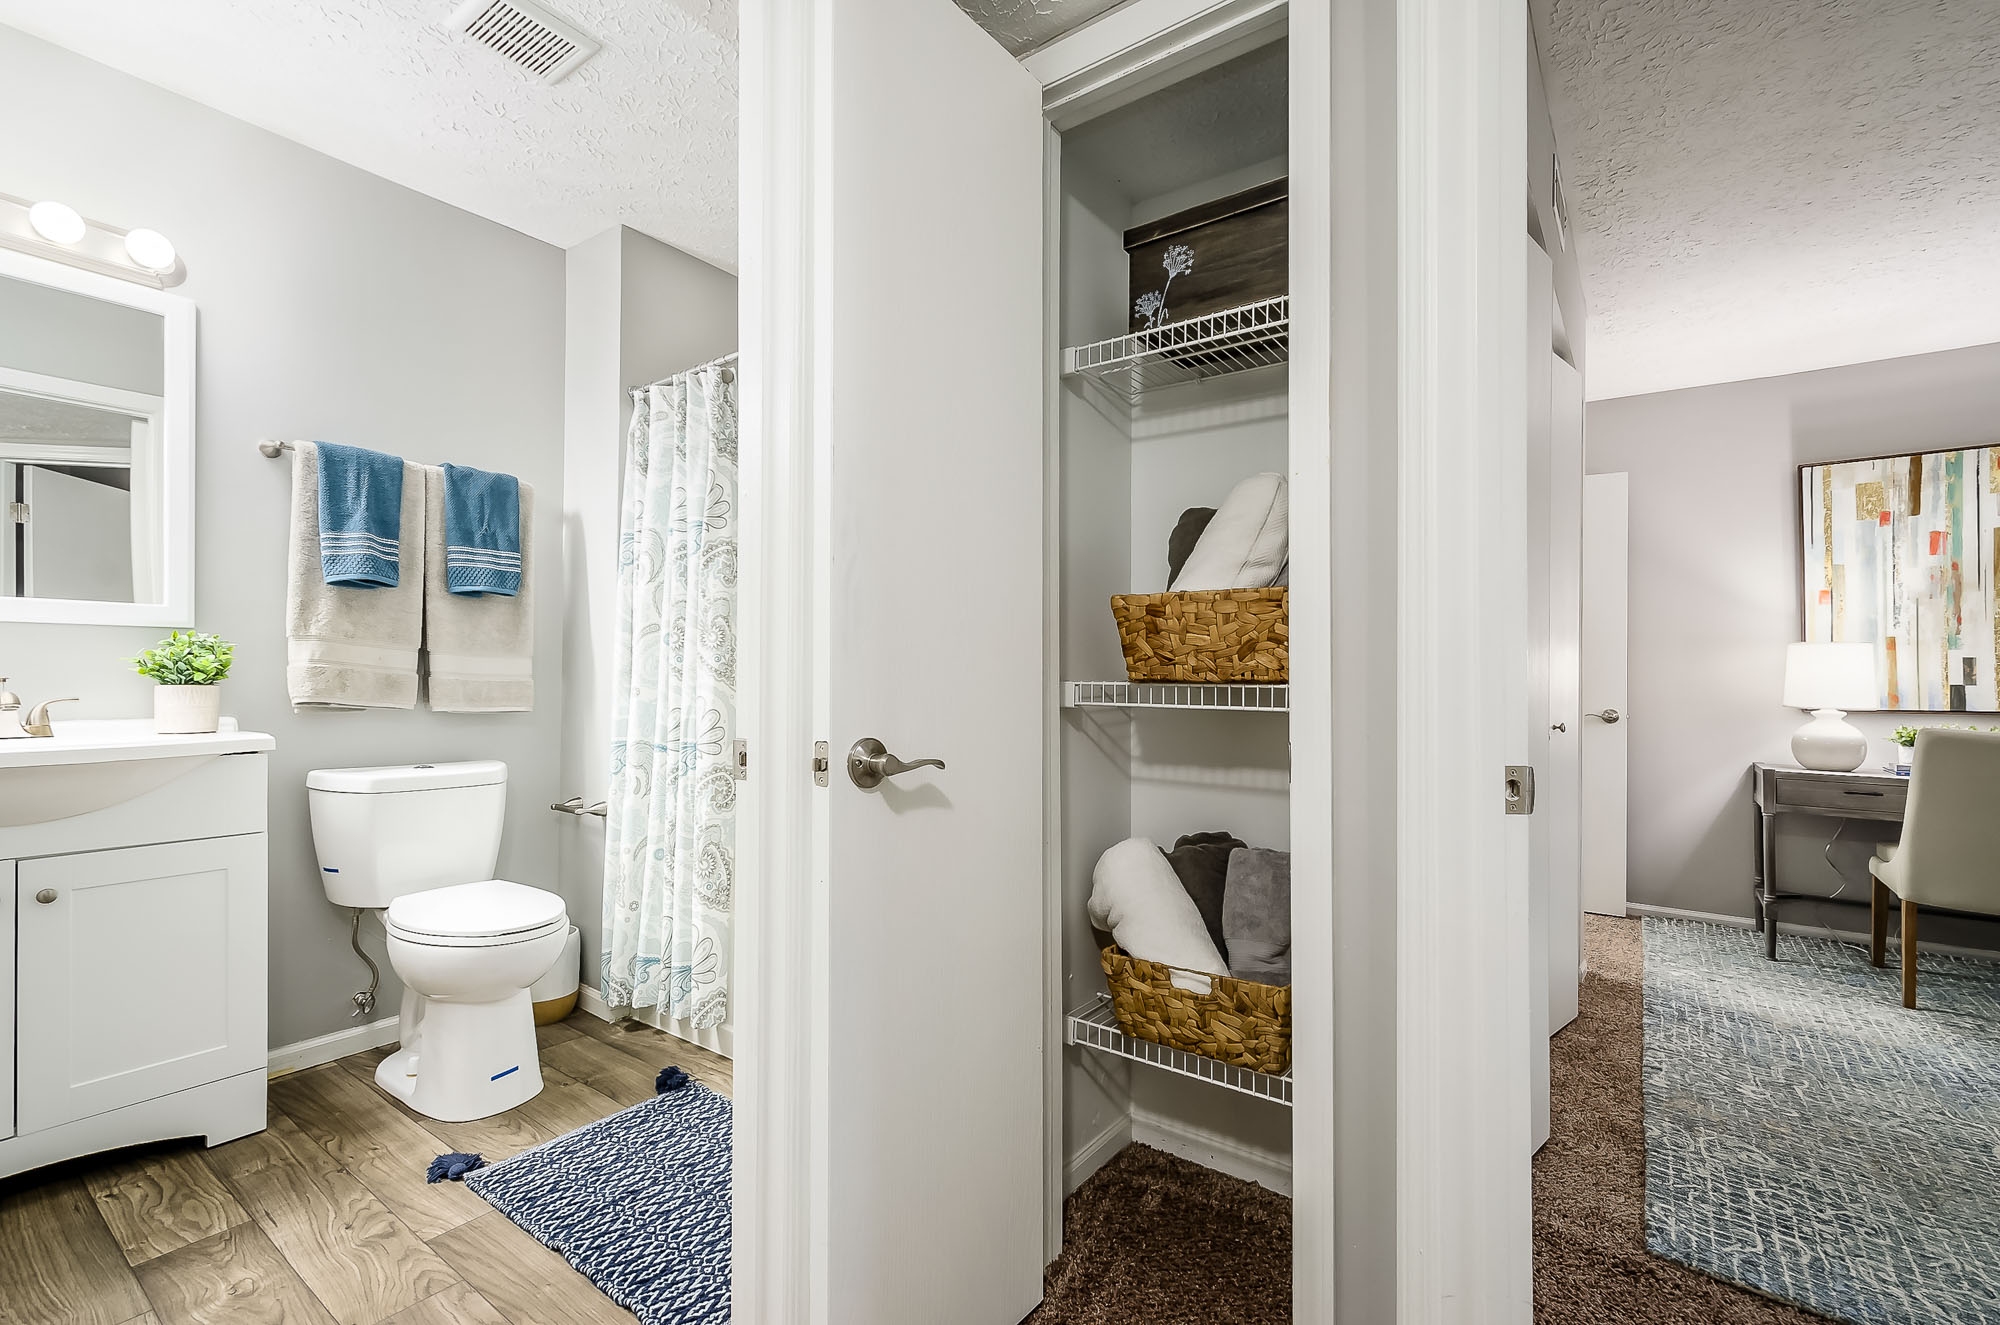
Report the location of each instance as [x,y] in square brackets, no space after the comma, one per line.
[1238,248]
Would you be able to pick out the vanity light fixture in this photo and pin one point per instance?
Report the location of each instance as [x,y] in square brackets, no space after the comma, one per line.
[150,249]
[57,222]
[57,231]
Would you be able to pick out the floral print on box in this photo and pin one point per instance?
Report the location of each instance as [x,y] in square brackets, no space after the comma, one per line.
[670,827]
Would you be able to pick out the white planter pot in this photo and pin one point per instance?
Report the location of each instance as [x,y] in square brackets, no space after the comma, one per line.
[186,708]
[1904,754]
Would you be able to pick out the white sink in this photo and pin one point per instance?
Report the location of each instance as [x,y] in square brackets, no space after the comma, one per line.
[91,763]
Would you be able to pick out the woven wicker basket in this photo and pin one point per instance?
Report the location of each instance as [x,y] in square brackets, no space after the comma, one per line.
[1208,636]
[1240,1022]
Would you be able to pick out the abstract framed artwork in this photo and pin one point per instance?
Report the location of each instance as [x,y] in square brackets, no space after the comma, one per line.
[1903,552]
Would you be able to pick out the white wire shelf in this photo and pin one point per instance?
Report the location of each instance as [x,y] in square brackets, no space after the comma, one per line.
[1173,695]
[1096,1027]
[1234,340]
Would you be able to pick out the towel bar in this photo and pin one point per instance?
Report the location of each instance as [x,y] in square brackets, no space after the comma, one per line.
[574,805]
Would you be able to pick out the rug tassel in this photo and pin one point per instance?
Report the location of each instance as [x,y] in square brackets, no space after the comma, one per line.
[670,1078]
[453,1167]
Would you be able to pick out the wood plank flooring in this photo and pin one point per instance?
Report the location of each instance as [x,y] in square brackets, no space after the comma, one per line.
[324,1218]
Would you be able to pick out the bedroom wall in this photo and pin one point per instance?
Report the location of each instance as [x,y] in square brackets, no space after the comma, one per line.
[1714,601]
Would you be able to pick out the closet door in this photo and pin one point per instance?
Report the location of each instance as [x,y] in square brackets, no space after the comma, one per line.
[933,605]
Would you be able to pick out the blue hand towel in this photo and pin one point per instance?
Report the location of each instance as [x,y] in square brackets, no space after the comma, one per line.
[482,532]
[360,516]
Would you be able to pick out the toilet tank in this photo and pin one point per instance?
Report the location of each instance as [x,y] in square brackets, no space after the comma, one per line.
[384,832]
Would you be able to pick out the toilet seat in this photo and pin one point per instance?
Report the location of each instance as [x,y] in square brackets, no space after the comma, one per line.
[489,914]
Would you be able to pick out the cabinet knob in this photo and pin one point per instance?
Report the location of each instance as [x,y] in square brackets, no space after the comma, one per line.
[45,896]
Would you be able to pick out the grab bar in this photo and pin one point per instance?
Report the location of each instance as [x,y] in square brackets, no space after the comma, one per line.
[574,805]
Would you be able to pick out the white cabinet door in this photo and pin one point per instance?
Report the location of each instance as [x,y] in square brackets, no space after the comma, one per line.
[6,999]
[141,972]
[934,608]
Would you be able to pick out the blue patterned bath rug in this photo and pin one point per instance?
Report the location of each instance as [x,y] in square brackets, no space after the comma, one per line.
[637,1202]
[1810,1138]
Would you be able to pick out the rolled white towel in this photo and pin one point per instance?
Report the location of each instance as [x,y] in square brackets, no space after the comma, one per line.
[1137,896]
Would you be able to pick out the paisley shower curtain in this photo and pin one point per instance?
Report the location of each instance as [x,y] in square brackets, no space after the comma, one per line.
[670,825]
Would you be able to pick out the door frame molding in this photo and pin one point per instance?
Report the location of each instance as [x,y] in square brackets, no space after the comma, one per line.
[1464,1214]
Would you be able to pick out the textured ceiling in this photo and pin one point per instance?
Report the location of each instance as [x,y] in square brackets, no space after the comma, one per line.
[1022,25]
[1770,187]
[1222,119]
[40,419]
[643,135]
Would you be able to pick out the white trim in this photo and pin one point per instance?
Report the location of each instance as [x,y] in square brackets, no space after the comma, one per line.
[1312,1166]
[302,1054]
[781,1204]
[1058,1178]
[174,418]
[77,392]
[1224,1154]
[1094,1154]
[1639,911]
[75,455]
[1142,46]
[1463,1205]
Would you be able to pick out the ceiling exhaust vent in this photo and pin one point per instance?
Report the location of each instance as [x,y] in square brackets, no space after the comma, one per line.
[527,34]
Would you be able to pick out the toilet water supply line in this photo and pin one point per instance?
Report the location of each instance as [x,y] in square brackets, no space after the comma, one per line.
[364,1000]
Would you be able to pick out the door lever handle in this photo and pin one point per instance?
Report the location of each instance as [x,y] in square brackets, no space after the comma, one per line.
[1607,717]
[869,761]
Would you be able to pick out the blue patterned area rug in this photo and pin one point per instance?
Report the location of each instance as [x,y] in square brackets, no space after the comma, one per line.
[1810,1138]
[637,1202]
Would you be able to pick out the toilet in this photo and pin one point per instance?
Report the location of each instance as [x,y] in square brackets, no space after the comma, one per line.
[418,842]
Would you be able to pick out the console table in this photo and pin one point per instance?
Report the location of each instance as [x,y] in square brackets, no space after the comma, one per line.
[1789,789]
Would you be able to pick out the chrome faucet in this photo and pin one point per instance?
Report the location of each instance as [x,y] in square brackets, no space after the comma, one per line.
[13,725]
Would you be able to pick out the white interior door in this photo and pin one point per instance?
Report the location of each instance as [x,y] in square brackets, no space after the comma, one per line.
[1541,722]
[1605,721]
[932,605]
[1562,785]
[79,541]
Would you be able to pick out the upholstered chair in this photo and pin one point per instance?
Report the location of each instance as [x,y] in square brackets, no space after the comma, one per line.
[1949,855]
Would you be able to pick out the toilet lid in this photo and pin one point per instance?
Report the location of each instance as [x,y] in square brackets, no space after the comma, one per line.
[475,910]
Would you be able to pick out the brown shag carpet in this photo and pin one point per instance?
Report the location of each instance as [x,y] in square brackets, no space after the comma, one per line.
[1591,1262]
[1151,1239]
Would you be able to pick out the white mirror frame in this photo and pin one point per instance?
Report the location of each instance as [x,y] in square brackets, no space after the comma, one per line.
[175,607]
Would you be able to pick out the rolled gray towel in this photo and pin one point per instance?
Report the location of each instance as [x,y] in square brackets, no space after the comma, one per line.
[1194,521]
[1257,915]
[1201,861]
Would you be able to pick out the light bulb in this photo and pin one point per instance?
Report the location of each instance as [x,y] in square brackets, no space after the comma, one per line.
[56,222]
[150,249]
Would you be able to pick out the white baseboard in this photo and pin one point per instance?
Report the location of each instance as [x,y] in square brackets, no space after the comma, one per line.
[717,1040]
[1213,1150]
[1095,1153]
[1793,927]
[327,1048]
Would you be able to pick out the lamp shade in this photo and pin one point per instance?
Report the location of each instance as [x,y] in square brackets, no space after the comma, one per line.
[1830,676]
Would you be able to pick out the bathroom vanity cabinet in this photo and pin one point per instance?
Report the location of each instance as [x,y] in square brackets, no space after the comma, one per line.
[132,943]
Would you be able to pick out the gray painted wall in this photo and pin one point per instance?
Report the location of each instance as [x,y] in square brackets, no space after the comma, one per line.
[1714,601]
[637,310]
[335,305]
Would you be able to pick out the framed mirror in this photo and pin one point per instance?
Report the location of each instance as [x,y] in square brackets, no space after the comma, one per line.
[96,448]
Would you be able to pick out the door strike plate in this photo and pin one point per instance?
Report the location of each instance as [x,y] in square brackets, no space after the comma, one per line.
[820,766]
[739,759]
[1520,789]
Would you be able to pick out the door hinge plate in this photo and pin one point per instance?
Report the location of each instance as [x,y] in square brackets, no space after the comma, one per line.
[820,765]
[1520,789]
[17,512]
[739,759]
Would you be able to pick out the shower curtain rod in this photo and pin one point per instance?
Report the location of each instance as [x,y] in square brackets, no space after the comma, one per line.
[728,374]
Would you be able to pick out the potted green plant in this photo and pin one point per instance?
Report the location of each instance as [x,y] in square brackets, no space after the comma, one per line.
[189,669]
[1906,745]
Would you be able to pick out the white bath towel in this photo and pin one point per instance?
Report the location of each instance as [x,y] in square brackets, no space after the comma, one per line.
[349,648]
[1137,896]
[479,652]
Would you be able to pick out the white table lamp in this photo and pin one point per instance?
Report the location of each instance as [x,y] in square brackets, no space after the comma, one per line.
[1830,679]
